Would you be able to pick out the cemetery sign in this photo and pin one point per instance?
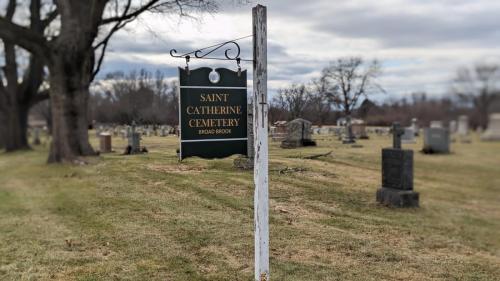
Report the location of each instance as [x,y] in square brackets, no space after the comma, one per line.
[213,119]
[212,112]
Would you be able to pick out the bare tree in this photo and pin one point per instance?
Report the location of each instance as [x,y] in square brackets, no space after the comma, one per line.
[18,95]
[138,96]
[478,87]
[74,56]
[321,99]
[293,99]
[349,79]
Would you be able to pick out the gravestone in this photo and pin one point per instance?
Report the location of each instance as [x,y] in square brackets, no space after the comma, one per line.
[436,124]
[463,129]
[278,131]
[134,141]
[349,136]
[452,126]
[105,143]
[408,136]
[163,131]
[99,130]
[298,134]
[436,140]
[414,126]
[463,125]
[124,133]
[359,131]
[397,174]
[493,131]
[36,136]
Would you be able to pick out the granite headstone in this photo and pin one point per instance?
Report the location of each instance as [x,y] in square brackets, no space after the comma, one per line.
[493,131]
[397,175]
[298,134]
[408,135]
[436,140]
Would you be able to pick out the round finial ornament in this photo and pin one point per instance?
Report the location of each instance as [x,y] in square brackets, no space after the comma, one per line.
[214,77]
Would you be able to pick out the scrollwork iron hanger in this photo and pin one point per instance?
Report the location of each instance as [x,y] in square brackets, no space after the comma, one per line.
[232,51]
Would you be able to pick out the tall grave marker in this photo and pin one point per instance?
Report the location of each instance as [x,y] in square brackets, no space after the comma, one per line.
[397,174]
[493,131]
[463,125]
[134,140]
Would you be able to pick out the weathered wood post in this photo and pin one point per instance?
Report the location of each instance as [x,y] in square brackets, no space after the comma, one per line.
[251,146]
[260,110]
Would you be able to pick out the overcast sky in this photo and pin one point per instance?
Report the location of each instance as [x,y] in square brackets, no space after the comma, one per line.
[420,43]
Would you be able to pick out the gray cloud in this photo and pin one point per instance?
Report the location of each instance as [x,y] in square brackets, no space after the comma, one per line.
[420,42]
[404,28]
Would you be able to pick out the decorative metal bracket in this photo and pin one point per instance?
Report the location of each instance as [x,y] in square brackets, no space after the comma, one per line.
[232,51]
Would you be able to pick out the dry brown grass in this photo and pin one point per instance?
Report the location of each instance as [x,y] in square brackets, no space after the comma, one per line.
[149,217]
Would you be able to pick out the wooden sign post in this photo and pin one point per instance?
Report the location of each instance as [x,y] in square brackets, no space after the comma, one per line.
[260,110]
[209,101]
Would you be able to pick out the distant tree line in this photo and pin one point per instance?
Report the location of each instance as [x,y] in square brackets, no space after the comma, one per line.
[474,92]
[149,98]
[143,97]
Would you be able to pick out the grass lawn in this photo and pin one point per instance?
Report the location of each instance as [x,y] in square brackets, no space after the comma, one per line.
[149,217]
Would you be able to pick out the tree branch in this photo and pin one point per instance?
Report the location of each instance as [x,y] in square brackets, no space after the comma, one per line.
[104,43]
[317,155]
[50,18]
[11,9]
[131,15]
[41,96]
[23,37]
[10,68]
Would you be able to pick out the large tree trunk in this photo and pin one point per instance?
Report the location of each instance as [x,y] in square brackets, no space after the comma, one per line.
[69,103]
[19,95]
[2,132]
[17,100]
[71,66]
[15,128]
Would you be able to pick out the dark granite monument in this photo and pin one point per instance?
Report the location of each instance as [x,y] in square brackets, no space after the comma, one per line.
[134,141]
[298,134]
[397,174]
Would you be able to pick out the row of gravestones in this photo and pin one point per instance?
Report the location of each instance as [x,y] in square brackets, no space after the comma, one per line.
[436,137]
[133,134]
[148,131]
[397,164]
[299,133]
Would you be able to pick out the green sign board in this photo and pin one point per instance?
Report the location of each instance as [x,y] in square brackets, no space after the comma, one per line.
[213,112]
